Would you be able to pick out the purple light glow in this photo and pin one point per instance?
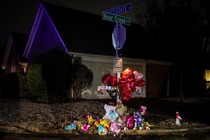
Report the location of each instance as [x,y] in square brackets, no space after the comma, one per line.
[43,36]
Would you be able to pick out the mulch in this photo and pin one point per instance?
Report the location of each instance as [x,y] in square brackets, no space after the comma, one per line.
[33,116]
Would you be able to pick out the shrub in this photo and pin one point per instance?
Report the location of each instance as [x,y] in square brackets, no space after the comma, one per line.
[36,85]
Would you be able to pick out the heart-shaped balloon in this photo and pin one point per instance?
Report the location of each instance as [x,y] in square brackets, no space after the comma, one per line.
[105,79]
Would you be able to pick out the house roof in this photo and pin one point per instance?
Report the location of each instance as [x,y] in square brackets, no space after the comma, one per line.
[14,51]
[82,32]
[87,33]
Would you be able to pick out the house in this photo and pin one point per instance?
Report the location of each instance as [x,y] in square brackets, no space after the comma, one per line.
[13,60]
[89,38]
[14,66]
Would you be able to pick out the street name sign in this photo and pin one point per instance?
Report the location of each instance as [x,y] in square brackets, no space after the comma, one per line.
[116,18]
[120,9]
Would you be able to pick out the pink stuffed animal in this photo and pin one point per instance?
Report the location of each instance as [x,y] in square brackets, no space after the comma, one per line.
[143,110]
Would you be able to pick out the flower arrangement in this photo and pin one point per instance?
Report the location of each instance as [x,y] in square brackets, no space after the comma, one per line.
[125,85]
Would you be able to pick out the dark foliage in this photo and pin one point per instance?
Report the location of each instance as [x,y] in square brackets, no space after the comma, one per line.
[56,67]
[180,33]
[64,80]
[10,86]
[35,84]
[82,78]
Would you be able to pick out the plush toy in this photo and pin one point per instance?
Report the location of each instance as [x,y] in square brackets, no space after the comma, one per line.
[114,127]
[121,110]
[130,122]
[178,119]
[104,122]
[72,126]
[143,110]
[90,119]
[111,113]
[121,121]
[102,130]
[85,127]
[137,120]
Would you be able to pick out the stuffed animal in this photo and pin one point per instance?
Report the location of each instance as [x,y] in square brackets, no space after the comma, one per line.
[111,113]
[178,119]
[143,110]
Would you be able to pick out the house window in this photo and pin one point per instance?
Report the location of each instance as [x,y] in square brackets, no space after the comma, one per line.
[207,78]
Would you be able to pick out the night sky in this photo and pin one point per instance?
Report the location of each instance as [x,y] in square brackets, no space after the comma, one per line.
[19,15]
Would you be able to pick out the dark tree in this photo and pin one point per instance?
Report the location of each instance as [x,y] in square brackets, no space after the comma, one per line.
[64,79]
[82,78]
[56,67]
[180,31]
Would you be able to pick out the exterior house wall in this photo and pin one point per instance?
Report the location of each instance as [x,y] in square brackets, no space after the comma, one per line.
[155,74]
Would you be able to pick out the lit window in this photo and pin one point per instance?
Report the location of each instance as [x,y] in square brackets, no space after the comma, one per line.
[207,78]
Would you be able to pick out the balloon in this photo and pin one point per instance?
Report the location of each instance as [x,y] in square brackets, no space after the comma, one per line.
[128,83]
[113,81]
[127,73]
[138,76]
[140,83]
[128,87]
[130,79]
[122,80]
[135,72]
[105,79]
[124,97]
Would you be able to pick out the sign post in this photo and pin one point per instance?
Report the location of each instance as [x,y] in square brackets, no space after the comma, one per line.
[118,40]
[118,35]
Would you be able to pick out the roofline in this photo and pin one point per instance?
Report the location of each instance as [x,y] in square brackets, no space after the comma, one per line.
[35,26]
[86,57]
[6,55]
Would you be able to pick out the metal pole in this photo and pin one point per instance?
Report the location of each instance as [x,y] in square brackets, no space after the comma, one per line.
[118,73]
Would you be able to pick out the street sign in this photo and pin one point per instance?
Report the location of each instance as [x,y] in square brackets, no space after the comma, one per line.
[116,18]
[120,9]
[117,65]
[118,36]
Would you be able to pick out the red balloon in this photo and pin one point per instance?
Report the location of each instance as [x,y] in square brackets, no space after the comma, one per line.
[140,83]
[127,73]
[130,79]
[128,87]
[105,79]
[138,76]
[113,81]
[122,80]
[127,83]
[124,97]
[128,94]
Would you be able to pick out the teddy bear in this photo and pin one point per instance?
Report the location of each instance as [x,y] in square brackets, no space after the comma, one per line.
[111,113]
